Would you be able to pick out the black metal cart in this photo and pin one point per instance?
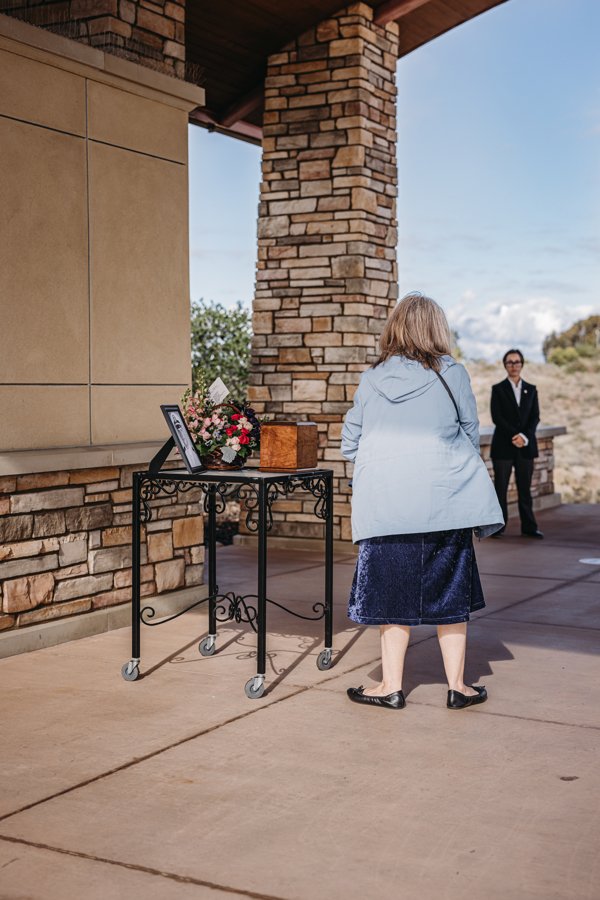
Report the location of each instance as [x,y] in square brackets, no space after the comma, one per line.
[257,492]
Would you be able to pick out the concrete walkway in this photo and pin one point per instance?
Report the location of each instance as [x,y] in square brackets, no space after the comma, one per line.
[178,787]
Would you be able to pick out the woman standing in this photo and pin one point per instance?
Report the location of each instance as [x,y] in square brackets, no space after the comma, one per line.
[420,487]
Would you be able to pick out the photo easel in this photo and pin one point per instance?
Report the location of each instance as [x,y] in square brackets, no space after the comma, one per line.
[160,459]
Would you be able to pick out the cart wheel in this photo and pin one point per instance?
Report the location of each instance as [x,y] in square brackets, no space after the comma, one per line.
[207,646]
[324,660]
[254,690]
[129,672]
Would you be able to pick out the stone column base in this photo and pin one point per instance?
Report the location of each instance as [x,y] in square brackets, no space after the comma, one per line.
[545,501]
[49,634]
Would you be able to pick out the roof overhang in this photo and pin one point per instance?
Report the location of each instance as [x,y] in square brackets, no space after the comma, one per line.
[231,44]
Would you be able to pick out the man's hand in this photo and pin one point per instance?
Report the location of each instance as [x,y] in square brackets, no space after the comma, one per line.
[518,441]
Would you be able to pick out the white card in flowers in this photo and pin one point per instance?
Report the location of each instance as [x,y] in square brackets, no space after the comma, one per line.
[217,391]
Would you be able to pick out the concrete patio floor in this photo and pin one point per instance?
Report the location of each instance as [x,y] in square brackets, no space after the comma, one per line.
[178,786]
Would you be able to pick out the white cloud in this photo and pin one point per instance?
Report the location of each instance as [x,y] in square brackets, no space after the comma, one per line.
[488,330]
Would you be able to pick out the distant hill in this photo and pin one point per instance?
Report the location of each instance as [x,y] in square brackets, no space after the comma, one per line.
[580,341]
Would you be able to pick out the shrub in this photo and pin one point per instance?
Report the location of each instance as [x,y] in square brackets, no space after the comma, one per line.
[561,356]
[587,351]
[221,345]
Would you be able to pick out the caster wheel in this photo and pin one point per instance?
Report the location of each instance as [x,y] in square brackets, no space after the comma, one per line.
[207,646]
[252,690]
[324,660]
[130,673]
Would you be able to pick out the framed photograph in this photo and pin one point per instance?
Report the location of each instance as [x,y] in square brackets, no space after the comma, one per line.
[181,436]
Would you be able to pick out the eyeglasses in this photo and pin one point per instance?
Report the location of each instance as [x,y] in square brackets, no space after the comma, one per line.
[516,362]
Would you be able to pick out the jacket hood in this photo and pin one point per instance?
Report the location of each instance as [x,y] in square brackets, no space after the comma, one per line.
[399,379]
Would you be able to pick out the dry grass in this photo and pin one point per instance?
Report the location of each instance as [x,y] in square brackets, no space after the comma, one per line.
[566,398]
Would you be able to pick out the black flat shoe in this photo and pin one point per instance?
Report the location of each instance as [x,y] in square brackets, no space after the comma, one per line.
[390,701]
[456,700]
[534,534]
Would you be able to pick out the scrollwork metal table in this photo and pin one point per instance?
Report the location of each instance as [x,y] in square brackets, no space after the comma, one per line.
[258,492]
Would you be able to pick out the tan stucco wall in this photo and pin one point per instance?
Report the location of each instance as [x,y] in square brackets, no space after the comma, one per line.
[94,285]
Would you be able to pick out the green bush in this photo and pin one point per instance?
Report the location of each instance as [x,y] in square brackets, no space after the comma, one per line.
[221,345]
[587,351]
[561,356]
[575,358]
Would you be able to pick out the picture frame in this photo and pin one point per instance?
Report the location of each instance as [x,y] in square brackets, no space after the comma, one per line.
[181,437]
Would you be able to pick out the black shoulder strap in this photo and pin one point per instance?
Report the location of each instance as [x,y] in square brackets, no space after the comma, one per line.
[450,394]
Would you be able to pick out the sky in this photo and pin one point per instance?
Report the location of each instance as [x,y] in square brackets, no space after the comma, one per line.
[499,180]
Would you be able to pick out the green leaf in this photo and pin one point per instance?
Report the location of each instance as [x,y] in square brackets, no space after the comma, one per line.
[221,346]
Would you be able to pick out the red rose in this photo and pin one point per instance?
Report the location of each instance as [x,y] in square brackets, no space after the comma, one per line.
[231,430]
[244,439]
[235,417]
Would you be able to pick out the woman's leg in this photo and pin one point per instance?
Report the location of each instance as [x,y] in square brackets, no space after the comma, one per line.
[453,644]
[394,641]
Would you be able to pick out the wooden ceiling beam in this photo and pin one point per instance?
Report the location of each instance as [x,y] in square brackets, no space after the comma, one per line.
[243,106]
[395,9]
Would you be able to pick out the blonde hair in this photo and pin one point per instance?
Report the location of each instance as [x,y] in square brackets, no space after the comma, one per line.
[417,329]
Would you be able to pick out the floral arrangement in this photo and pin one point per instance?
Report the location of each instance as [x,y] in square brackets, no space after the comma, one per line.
[221,425]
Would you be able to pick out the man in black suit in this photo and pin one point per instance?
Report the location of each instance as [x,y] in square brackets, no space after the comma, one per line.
[515,413]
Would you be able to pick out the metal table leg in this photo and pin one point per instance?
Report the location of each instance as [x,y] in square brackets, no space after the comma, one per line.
[131,670]
[208,645]
[324,659]
[255,687]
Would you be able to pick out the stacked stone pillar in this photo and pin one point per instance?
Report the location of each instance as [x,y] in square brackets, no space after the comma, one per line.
[326,272]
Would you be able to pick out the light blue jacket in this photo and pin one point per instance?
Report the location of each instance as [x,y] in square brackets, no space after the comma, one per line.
[416,468]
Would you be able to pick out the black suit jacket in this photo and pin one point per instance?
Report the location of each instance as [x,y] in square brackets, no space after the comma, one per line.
[510,419]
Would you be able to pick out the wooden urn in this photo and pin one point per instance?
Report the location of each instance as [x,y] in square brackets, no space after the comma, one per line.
[288,445]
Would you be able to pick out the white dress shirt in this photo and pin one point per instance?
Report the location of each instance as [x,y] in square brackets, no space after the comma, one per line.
[517,389]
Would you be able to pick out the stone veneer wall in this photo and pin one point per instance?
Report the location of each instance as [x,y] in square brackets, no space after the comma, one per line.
[326,272]
[146,31]
[65,544]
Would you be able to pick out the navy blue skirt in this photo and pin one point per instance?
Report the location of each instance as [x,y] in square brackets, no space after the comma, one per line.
[416,579]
